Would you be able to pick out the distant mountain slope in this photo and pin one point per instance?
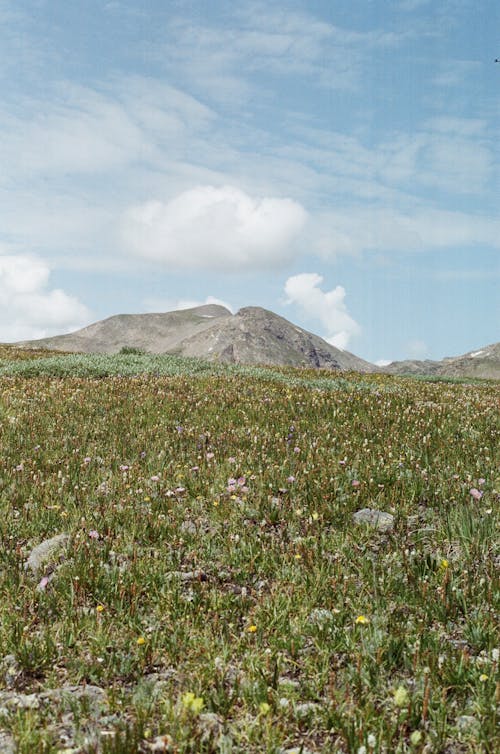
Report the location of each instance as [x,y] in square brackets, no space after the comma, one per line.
[252,336]
[157,333]
[482,363]
[258,336]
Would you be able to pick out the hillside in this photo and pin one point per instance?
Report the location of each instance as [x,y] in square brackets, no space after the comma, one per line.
[252,336]
[482,363]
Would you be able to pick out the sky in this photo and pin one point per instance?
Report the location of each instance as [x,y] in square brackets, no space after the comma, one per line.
[335,161]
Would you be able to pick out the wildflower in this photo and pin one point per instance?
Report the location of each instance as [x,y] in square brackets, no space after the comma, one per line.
[298,556]
[42,584]
[210,456]
[315,516]
[93,534]
[416,737]
[124,467]
[476,494]
[362,619]
[264,708]
[371,740]
[481,481]
[155,478]
[483,677]
[355,483]
[252,629]
[290,479]
[192,703]
[296,449]
[140,641]
[401,697]
[361,749]
[99,608]
[231,459]
[444,564]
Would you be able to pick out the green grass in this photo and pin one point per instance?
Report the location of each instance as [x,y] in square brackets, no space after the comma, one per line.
[301,628]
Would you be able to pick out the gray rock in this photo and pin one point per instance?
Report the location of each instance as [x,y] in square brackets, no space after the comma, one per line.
[320,616]
[378,519]
[467,723]
[44,554]
[305,709]
[7,744]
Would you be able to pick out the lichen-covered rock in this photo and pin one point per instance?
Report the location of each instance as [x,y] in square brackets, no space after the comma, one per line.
[378,519]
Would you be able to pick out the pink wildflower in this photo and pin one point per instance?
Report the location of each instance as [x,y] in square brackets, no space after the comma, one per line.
[93,534]
[476,494]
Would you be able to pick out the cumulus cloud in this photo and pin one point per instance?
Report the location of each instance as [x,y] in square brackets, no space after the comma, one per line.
[328,307]
[28,307]
[215,228]
[177,304]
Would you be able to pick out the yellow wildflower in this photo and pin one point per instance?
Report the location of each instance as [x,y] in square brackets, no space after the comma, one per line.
[192,702]
[252,629]
[141,640]
[362,619]
[99,608]
[264,708]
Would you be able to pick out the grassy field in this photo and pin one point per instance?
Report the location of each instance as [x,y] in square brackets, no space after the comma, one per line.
[213,592]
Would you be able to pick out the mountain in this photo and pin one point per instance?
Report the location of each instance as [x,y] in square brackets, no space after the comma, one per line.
[483,363]
[251,336]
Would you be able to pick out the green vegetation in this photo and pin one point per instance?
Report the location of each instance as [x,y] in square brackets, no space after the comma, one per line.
[215,586]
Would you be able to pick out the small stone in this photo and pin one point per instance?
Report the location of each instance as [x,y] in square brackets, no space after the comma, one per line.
[467,723]
[305,709]
[197,575]
[188,527]
[7,744]
[378,519]
[320,616]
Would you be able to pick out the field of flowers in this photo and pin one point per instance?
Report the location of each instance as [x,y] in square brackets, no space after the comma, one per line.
[210,590]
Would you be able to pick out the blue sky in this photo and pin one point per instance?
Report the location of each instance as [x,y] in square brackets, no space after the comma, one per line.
[336,162]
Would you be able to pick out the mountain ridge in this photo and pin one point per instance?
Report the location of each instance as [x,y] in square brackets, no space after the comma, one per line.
[253,335]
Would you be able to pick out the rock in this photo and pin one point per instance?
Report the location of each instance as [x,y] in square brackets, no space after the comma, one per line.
[44,554]
[197,575]
[378,519]
[320,616]
[467,723]
[9,670]
[7,744]
[305,709]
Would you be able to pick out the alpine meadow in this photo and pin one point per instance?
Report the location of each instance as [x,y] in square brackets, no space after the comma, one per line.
[200,557]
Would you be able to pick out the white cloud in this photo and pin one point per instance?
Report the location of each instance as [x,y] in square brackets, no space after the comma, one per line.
[28,308]
[215,228]
[176,304]
[328,307]
[383,362]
